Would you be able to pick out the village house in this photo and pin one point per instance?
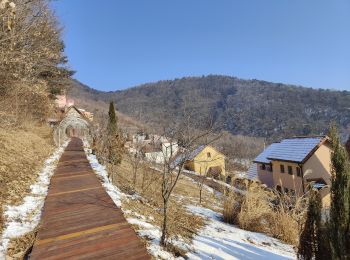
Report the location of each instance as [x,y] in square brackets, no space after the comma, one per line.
[62,102]
[154,148]
[160,152]
[294,164]
[206,161]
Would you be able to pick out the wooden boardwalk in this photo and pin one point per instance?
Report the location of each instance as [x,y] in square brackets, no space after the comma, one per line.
[80,220]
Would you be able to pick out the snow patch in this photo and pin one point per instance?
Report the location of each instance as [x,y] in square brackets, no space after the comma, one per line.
[24,218]
[101,171]
[153,235]
[218,240]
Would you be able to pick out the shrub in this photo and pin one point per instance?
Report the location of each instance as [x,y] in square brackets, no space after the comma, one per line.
[283,226]
[256,209]
[262,210]
[232,207]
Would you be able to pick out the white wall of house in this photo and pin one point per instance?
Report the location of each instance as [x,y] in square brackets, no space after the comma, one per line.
[156,157]
[168,151]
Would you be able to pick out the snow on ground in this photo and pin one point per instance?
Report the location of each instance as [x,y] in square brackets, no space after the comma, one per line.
[153,235]
[245,162]
[206,187]
[218,240]
[24,218]
[222,183]
[147,230]
[101,171]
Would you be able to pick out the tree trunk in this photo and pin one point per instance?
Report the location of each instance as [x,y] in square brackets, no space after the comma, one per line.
[143,180]
[164,228]
[134,179]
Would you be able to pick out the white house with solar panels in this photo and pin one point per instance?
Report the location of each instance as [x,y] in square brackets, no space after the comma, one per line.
[294,164]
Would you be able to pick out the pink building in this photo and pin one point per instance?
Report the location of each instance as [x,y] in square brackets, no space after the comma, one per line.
[62,101]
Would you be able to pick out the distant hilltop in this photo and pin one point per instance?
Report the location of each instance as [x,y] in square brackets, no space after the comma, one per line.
[246,107]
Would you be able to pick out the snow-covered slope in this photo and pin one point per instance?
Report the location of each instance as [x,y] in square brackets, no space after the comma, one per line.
[217,240]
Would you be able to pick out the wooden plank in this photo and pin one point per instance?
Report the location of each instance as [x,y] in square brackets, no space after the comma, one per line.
[80,220]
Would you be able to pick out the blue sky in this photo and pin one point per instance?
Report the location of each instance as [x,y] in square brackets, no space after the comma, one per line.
[117,44]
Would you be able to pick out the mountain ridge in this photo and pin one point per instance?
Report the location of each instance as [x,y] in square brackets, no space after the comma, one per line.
[246,107]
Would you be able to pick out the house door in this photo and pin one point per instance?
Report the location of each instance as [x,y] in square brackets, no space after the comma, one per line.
[214,172]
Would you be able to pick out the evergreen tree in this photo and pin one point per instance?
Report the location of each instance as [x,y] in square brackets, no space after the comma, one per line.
[339,233]
[310,245]
[115,143]
[347,146]
[112,122]
[323,250]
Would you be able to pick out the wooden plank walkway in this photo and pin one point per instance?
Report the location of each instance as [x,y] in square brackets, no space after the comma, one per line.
[80,220]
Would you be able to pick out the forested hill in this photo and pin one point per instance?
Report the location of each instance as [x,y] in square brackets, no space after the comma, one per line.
[247,107]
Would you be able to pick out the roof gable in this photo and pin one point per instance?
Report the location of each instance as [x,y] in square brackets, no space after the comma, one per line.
[200,149]
[192,155]
[73,110]
[195,152]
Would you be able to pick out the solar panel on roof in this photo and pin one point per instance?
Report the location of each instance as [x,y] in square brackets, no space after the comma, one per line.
[294,149]
[262,158]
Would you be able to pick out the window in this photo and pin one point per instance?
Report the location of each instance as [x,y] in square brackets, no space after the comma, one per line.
[208,155]
[282,168]
[298,172]
[263,167]
[290,170]
[268,168]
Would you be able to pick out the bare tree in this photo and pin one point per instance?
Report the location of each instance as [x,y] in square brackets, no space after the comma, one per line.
[192,131]
[205,167]
[200,182]
[136,160]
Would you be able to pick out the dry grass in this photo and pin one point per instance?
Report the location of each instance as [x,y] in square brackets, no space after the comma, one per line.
[284,226]
[232,207]
[288,218]
[262,210]
[23,150]
[19,247]
[256,209]
[181,222]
